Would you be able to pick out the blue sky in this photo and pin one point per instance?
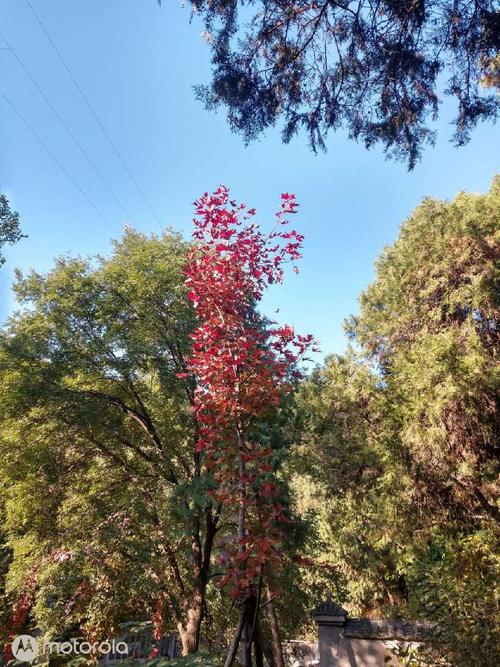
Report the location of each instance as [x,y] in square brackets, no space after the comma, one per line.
[136,63]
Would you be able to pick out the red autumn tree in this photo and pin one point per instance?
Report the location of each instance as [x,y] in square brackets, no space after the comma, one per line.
[243,365]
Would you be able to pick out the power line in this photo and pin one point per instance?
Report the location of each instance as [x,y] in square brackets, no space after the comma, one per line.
[66,173]
[57,161]
[138,314]
[93,112]
[65,126]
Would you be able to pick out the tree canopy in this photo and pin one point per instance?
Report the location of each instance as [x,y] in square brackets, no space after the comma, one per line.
[399,437]
[378,70]
[126,412]
[431,323]
[106,517]
[110,512]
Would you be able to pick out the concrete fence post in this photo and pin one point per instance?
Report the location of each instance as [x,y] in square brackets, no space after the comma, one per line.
[330,618]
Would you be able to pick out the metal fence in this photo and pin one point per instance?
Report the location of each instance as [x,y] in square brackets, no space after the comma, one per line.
[140,648]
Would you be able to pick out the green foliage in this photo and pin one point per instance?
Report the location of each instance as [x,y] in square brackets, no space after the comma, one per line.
[399,438]
[10,231]
[408,655]
[455,583]
[97,438]
[431,322]
[356,482]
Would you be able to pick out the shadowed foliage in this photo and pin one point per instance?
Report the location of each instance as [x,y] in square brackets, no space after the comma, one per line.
[375,68]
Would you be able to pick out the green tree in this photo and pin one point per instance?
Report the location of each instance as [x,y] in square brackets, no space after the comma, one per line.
[399,438]
[106,509]
[431,323]
[349,471]
[375,69]
[10,231]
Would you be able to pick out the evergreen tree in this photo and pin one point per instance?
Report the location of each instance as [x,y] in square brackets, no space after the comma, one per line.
[375,69]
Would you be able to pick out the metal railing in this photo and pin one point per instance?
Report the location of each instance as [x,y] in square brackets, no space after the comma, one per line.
[140,648]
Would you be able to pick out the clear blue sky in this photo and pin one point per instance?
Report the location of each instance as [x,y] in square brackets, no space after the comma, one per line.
[137,62]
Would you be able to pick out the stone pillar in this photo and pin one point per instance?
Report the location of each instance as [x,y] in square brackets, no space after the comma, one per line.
[331,619]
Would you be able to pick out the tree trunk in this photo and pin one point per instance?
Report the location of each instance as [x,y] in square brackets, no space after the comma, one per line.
[190,631]
[275,631]
[246,646]
[246,649]
[189,640]
[193,614]
[268,652]
[233,649]
[259,657]
[246,636]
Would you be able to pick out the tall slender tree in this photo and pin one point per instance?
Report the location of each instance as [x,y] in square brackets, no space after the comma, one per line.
[242,366]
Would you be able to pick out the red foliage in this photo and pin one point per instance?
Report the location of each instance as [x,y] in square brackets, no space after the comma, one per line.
[243,365]
[158,618]
[20,612]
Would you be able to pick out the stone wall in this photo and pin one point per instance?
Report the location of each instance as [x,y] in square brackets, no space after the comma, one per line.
[363,642]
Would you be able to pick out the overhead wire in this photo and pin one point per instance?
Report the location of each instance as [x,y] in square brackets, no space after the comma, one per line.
[57,161]
[71,134]
[94,113]
[138,314]
[65,126]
